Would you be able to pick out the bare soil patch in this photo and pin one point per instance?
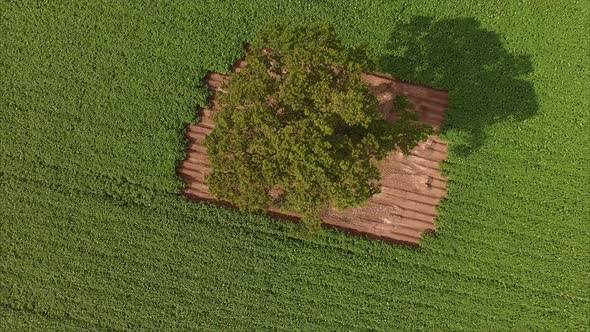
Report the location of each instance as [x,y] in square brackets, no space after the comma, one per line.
[412,186]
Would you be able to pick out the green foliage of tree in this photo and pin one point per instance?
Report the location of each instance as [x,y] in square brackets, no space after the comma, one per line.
[297,129]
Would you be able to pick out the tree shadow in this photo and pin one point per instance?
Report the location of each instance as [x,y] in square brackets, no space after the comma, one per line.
[457,55]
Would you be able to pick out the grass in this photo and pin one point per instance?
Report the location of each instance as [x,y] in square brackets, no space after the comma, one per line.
[93,234]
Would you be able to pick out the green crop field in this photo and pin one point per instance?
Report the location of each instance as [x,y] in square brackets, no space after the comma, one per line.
[94,234]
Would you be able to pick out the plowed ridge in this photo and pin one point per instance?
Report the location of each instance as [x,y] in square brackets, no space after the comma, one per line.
[412,185]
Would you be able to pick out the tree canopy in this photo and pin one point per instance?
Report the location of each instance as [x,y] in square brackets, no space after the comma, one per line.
[298,130]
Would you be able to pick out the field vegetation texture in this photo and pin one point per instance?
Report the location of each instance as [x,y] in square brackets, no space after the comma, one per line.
[94,234]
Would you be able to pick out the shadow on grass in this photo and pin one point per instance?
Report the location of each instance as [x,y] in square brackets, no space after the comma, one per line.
[481,75]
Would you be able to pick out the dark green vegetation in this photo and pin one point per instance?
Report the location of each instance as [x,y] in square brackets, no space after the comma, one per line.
[299,130]
[93,100]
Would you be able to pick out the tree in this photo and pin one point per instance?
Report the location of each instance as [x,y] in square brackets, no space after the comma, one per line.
[297,129]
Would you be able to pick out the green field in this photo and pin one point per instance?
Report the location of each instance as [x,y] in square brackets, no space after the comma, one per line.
[94,234]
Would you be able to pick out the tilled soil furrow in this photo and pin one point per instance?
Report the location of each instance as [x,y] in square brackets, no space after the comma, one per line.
[413,167]
[194,148]
[195,165]
[372,229]
[196,194]
[410,195]
[195,137]
[423,92]
[403,204]
[388,209]
[426,151]
[391,218]
[206,113]
[189,175]
[437,105]
[200,186]
[423,162]
[413,185]
[199,129]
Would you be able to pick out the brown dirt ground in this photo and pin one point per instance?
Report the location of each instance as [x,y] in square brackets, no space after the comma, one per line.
[412,185]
